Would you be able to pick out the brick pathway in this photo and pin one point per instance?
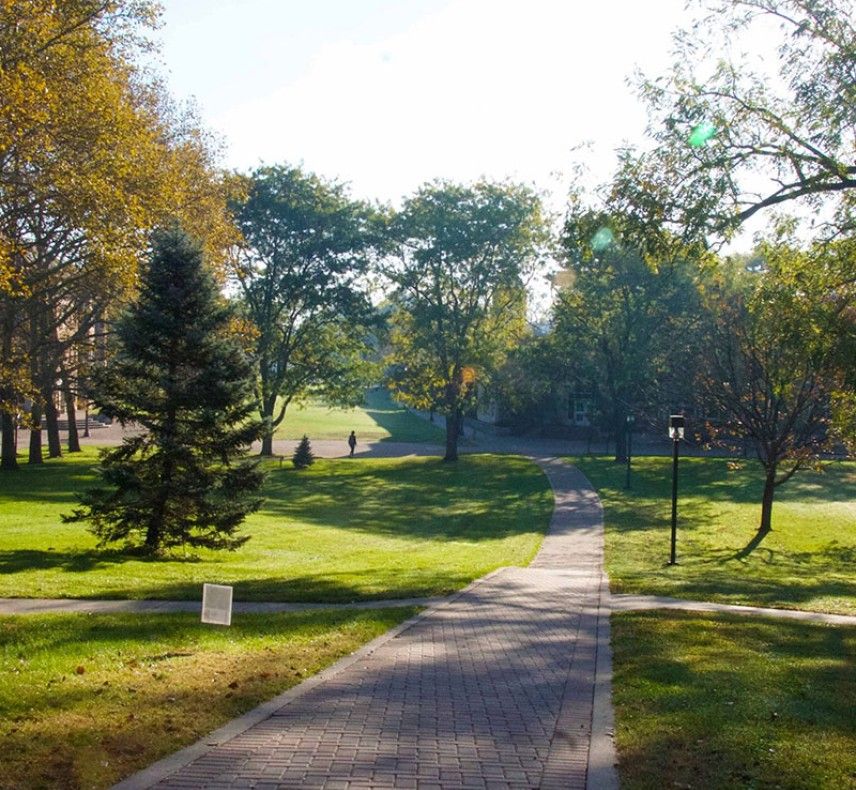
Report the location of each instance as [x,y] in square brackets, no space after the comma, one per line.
[493,689]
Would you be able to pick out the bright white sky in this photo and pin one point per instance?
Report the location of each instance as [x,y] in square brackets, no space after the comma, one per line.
[388,94]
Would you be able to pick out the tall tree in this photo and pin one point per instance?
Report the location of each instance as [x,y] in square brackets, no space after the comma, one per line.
[463,257]
[737,134]
[92,156]
[780,343]
[307,247]
[622,328]
[524,386]
[181,373]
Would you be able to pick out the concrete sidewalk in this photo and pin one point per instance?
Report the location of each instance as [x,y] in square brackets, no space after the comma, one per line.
[72,605]
[504,685]
[630,603]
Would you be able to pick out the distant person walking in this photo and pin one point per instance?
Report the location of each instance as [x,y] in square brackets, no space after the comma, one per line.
[352,442]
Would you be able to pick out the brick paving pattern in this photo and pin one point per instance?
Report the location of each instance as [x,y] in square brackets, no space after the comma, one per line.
[491,690]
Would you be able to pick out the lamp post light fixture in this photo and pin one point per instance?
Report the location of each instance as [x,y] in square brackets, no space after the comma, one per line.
[677,426]
[629,420]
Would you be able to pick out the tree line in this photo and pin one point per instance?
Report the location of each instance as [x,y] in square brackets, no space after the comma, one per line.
[330,293]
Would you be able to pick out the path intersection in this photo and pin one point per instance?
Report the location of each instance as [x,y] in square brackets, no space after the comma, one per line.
[504,685]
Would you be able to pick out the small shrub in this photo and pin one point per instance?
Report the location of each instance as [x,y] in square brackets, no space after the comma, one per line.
[303,454]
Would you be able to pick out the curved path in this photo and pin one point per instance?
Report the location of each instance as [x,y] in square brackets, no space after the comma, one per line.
[505,684]
[495,687]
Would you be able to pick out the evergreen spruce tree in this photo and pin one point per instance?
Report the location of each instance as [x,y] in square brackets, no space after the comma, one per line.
[181,374]
[303,456]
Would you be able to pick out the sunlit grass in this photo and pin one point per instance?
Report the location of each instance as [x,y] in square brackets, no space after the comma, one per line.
[88,699]
[726,701]
[342,530]
[379,419]
[806,562]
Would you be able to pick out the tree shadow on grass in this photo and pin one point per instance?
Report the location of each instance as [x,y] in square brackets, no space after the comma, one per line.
[753,544]
[179,630]
[726,480]
[797,593]
[833,554]
[691,713]
[340,588]
[472,502]
[52,482]
[21,560]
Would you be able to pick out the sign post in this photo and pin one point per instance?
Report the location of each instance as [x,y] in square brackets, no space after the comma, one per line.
[217,604]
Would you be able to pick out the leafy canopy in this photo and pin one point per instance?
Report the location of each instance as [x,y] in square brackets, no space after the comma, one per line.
[736,135]
[463,255]
[301,277]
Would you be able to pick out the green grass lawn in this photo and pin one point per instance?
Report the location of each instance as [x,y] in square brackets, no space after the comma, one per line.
[806,562]
[342,530]
[729,702]
[380,419]
[86,700]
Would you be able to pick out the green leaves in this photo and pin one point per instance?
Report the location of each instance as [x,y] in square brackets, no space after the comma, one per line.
[302,279]
[462,257]
[762,136]
[623,326]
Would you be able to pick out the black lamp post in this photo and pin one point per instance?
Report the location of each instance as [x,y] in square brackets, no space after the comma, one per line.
[629,420]
[677,425]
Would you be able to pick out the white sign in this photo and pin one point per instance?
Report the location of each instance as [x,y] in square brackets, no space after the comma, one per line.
[217,604]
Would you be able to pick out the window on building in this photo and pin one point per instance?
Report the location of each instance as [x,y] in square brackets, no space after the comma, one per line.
[579,410]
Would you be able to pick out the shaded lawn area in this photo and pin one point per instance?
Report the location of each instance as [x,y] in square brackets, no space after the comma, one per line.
[806,562]
[724,701]
[86,700]
[379,419]
[342,530]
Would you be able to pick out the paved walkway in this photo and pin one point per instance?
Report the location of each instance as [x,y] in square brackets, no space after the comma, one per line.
[615,603]
[505,684]
[70,605]
[493,688]
[626,603]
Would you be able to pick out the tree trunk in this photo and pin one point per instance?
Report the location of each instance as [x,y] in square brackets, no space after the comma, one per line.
[71,412]
[9,459]
[35,456]
[267,436]
[453,426]
[158,526]
[153,532]
[52,425]
[767,501]
[8,434]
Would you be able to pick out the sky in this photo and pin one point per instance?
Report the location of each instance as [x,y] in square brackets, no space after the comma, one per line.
[388,94]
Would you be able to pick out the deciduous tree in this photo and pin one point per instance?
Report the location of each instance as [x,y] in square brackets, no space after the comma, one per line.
[780,344]
[92,156]
[736,134]
[463,257]
[301,277]
[623,326]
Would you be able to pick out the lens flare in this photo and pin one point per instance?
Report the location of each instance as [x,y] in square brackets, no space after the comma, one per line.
[602,239]
[702,134]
